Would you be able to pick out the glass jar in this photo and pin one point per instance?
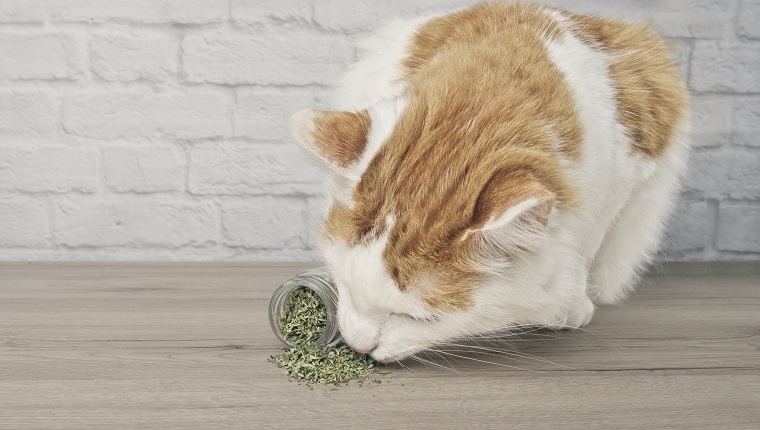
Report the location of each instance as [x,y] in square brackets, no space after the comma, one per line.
[321,282]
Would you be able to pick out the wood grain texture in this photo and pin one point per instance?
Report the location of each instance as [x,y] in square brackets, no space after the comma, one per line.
[185,346]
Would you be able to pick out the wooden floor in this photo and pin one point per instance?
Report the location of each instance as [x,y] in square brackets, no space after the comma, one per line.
[103,346]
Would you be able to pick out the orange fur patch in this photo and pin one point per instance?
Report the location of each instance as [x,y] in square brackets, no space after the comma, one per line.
[650,93]
[507,189]
[340,137]
[488,121]
[509,39]
[484,101]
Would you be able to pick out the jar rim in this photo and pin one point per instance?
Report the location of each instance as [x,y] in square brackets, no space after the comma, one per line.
[320,281]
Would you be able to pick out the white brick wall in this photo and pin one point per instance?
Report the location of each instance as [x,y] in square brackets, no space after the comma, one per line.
[157,129]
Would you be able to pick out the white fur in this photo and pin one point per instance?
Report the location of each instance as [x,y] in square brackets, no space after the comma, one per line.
[367,295]
[379,74]
[633,239]
[579,257]
[495,224]
[384,116]
[511,213]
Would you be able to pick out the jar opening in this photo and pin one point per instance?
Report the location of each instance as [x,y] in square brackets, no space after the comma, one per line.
[304,308]
[303,316]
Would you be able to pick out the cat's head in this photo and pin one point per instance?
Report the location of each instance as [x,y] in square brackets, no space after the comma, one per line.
[425,222]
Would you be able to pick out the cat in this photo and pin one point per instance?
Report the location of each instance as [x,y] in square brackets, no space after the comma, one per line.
[500,166]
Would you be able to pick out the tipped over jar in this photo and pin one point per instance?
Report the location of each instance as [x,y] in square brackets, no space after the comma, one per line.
[320,282]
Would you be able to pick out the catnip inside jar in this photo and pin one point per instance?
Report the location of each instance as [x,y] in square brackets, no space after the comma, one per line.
[302,314]
[304,308]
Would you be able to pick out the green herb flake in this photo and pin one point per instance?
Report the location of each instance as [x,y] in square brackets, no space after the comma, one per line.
[322,365]
[303,316]
[303,322]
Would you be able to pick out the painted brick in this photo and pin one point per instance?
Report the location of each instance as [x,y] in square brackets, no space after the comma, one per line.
[26,115]
[746,127]
[23,223]
[739,227]
[22,11]
[137,55]
[44,56]
[98,109]
[725,174]
[711,120]
[265,222]
[144,169]
[247,11]
[140,11]
[135,221]
[253,169]
[265,113]
[303,57]
[56,169]
[721,67]
[674,18]
[682,49]
[704,19]
[185,114]
[360,14]
[687,228]
[746,20]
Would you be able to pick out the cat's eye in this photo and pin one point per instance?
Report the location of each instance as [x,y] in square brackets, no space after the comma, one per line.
[417,318]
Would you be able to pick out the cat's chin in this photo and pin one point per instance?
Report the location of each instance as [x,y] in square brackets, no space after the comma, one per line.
[399,343]
[387,355]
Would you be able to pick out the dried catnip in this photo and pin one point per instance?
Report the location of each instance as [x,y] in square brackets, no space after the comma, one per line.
[322,365]
[303,317]
[302,322]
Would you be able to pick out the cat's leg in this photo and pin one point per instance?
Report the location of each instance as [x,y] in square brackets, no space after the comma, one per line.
[579,310]
[634,236]
[567,284]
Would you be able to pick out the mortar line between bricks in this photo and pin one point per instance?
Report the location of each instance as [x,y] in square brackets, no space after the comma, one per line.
[84,82]
[50,206]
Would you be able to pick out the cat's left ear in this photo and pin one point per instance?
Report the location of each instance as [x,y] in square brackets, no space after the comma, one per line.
[512,208]
[337,138]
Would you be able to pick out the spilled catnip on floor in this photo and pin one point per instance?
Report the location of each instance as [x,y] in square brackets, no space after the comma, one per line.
[302,322]
[157,346]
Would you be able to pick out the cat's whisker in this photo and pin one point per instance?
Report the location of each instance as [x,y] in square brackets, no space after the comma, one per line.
[481,361]
[591,332]
[419,360]
[445,359]
[402,366]
[432,363]
[510,354]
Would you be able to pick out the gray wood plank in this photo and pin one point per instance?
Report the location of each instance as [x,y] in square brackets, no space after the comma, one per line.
[135,345]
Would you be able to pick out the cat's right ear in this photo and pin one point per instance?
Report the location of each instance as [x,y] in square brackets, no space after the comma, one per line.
[337,138]
[512,210]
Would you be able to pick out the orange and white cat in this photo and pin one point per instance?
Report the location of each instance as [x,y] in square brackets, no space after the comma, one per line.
[500,166]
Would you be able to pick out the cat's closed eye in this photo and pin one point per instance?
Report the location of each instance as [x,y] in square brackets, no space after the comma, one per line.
[426,318]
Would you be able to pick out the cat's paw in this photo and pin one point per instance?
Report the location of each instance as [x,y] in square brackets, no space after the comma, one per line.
[581,314]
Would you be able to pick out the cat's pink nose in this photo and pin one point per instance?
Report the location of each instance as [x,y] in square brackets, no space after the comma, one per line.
[361,349]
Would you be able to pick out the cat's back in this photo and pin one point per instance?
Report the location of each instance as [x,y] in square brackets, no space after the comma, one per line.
[581,73]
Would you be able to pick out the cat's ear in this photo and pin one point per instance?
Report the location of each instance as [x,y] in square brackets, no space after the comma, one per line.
[337,138]
[512,208]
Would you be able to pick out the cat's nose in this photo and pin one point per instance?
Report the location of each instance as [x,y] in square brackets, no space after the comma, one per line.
[363,349]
